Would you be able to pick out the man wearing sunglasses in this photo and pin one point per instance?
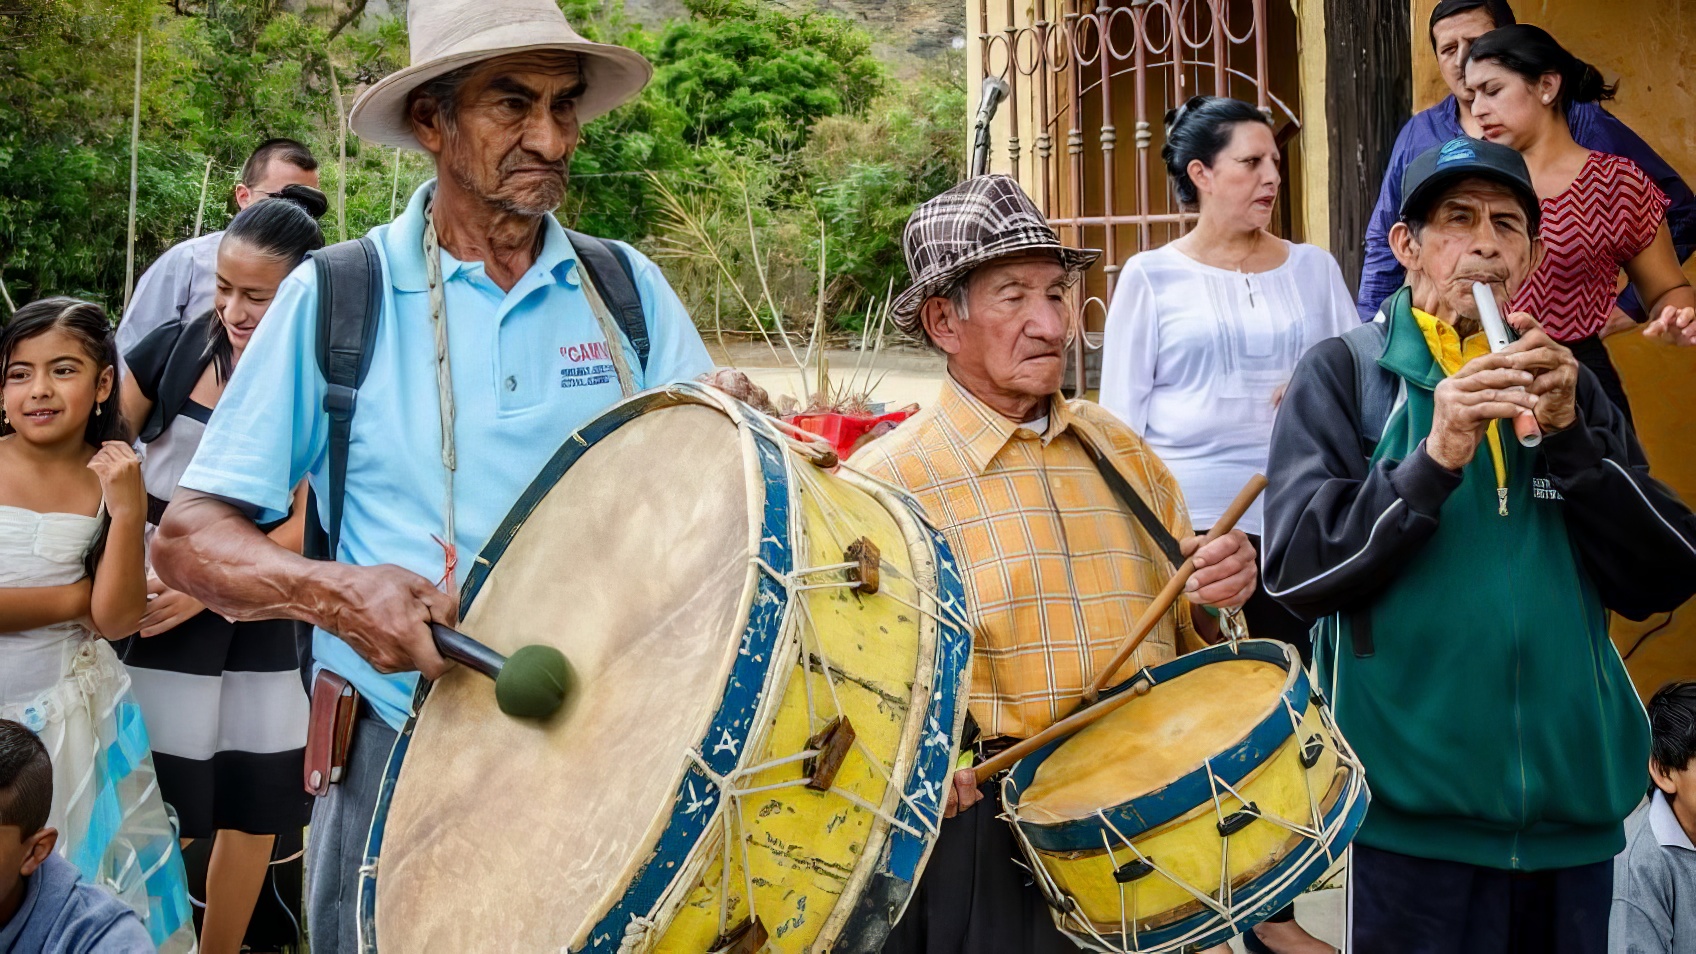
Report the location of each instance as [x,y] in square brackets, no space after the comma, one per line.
[180,283]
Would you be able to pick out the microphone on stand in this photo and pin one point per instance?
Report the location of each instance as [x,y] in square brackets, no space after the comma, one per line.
[994,91]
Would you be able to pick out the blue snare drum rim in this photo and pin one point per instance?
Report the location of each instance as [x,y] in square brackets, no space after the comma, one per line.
[1181,796]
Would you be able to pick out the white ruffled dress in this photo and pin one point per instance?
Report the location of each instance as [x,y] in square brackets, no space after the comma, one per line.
[67,685]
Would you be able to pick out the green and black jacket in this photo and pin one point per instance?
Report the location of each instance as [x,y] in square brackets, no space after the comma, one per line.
[1466,653]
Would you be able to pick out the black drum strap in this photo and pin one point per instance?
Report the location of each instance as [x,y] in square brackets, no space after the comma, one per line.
[1139,509]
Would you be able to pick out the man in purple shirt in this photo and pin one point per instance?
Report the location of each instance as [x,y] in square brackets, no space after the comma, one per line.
[1454,25]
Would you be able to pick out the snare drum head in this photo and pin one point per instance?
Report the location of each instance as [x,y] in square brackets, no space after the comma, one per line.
[507,834]
[1153,740]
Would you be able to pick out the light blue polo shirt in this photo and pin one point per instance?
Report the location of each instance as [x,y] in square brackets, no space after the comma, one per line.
[530,366]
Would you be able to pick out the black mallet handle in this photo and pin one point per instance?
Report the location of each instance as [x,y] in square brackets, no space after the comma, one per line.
[466,651]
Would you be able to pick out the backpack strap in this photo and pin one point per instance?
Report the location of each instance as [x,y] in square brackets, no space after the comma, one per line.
[1375,391]
[609,268]
[350,303]
[1374,387]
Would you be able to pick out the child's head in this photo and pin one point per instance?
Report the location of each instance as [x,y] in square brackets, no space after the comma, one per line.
[262,244]
[26,796]
[1672,726]
[61,383]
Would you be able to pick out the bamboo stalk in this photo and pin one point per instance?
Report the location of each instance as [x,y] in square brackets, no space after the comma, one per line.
[818,326]
[394,191]
[135,160]
[200,210]
[341,156]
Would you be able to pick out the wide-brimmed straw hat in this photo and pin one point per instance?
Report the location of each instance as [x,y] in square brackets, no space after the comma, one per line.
[977,221]
[449,34]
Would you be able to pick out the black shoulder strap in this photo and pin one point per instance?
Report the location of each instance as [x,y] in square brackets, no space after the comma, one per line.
[1374,387]
[610,270]
[1139,509]
[350,302]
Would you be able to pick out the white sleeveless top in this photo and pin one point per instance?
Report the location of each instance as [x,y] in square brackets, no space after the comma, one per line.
[41,549]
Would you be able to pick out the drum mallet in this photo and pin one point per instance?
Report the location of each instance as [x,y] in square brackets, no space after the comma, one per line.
[532,683]
[1145,624]
[1157,608]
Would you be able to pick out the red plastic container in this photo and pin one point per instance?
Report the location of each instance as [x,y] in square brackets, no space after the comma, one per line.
[842,430]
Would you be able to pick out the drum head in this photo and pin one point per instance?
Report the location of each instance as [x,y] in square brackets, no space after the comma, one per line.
[511,835]
[1154,740]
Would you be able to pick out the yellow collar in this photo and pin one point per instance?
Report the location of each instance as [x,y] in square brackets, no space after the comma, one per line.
[984,431]
[1446,344]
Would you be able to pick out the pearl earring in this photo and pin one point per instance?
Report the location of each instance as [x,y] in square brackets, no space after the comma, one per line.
[97,411]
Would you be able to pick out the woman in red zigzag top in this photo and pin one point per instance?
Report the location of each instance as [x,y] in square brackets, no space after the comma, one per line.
[1601,212]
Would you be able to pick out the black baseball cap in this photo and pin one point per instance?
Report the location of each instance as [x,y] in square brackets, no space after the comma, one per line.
[1437,168]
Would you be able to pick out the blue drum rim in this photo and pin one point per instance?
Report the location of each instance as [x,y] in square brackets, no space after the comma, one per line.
[904,853]
[1181,796]
[1305,868]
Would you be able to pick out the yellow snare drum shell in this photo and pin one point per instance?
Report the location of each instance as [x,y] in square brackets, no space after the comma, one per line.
[1190,851]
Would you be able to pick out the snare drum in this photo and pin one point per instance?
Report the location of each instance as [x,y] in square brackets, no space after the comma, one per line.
[770,664]
[1192,813]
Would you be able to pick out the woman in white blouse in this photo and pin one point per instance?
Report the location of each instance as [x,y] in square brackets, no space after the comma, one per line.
[1202,336]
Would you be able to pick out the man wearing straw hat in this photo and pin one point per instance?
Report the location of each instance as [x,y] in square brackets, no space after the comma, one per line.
[1021,482]
[492,345]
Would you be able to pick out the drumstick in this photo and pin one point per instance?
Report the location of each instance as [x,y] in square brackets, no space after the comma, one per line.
[1163,601]
[1072,723]
[1496,332]
[1144,625]
[530,684]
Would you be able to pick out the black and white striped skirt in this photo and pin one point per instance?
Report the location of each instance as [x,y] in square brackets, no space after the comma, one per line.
[226,715]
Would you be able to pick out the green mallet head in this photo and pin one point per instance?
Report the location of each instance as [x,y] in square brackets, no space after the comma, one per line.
[534,682]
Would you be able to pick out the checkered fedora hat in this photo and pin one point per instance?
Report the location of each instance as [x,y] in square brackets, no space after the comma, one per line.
[979,220]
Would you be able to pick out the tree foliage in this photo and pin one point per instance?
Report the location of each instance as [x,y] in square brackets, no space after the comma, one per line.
[751,102]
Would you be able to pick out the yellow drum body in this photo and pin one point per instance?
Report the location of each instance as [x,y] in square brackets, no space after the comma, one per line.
[1192,812]
[771,677]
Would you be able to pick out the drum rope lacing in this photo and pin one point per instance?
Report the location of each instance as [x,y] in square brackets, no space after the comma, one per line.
[1225,906]
[811,656]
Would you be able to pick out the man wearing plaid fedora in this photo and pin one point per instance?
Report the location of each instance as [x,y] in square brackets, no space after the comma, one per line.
[1057,567]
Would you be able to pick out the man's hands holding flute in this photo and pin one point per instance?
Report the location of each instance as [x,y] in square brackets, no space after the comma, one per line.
[1486,389]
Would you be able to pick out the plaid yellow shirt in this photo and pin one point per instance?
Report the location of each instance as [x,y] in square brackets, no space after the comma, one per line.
[1056,569]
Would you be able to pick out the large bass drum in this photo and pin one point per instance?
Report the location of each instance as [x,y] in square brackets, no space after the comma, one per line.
[770,664]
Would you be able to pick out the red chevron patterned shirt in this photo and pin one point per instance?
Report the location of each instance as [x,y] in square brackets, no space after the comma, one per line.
[1604,219]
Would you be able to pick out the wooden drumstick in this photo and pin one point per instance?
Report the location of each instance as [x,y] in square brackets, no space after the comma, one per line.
[1163,601]
[1072,723]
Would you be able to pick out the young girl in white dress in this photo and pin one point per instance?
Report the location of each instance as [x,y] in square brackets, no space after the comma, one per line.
[72,509]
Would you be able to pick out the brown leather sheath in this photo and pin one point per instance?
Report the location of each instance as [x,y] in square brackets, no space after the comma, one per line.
[329,733]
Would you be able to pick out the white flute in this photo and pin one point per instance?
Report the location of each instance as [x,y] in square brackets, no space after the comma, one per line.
[1496,331]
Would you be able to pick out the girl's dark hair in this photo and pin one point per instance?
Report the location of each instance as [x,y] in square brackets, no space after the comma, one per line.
[1672,725]
[1532,53]
[285,228]
[1200,129]
[86,322]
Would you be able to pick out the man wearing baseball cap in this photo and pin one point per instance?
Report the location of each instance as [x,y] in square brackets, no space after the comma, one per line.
[1462,582]
[1021,482]
[493,345]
